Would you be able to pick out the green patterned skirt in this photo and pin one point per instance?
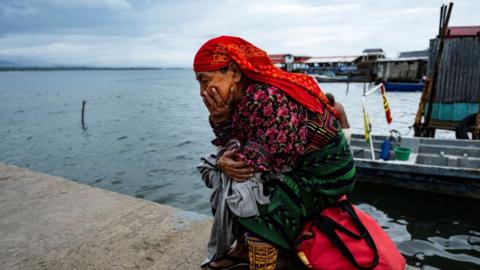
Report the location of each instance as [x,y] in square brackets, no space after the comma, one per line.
[316,181]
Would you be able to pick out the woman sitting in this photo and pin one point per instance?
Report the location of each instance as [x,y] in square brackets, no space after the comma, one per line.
[285,128]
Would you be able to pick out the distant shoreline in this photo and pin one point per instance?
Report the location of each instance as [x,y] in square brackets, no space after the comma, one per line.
[84,68]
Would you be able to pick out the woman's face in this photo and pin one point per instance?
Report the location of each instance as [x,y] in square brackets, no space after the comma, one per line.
[221,81]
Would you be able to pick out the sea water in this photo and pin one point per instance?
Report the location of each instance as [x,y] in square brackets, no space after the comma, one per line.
[145,131]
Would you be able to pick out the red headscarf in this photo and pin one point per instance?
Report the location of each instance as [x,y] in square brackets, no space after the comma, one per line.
[255,64]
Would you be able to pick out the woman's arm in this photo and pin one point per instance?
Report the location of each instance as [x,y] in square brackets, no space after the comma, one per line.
[274,128]
[222,131]
[220,120]
[220,114]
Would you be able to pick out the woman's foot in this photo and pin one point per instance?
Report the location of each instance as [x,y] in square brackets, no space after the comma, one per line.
[239,251]
[236,257]
[228,263]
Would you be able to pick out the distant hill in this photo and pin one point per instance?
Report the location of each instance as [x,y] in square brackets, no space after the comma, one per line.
[16,61]
[57,68]
[6,64]
[24,64]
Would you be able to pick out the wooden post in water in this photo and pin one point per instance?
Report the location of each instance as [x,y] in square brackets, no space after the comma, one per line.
[83,114]
[476,129]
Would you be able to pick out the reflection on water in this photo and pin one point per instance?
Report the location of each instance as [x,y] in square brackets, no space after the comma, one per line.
[396,228]
[147,129]
[456,248]
[433,231]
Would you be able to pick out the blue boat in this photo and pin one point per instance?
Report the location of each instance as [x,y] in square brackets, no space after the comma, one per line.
[404,86]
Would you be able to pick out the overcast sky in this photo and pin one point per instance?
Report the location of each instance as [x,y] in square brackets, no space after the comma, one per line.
[168,33]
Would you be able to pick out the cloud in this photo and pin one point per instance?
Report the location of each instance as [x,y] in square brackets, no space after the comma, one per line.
[10,10]
[72,4]
[266,8]
[167,33]
[153,50]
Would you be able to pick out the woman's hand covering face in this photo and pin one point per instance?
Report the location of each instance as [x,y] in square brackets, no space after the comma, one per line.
[238,170]
[219,109]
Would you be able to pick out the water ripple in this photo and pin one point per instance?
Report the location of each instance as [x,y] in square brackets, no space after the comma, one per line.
[142,143]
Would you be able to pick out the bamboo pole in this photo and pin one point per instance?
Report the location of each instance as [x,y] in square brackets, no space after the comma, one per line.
[444,19]
[421,108]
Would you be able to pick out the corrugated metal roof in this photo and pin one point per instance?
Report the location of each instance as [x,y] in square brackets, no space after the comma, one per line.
[410,54]
[280,58]
[463,31]
[301,59]
[374,50]
[404,59]
[333,59]
[277,58]
[459,74]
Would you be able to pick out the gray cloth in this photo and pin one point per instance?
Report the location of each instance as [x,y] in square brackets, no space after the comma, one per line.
[228,198]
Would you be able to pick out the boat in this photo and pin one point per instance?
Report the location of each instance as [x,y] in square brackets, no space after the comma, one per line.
[435,165]
[330,77]
[404,86]
[326,78]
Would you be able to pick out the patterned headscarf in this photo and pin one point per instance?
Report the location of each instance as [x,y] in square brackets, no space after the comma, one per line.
[255,64]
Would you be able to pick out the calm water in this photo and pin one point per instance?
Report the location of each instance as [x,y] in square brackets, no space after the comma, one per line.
[147,129]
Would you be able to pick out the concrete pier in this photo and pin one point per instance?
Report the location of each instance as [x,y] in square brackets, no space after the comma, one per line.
[48,222]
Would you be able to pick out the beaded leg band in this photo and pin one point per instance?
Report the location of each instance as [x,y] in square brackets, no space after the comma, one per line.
[262,256]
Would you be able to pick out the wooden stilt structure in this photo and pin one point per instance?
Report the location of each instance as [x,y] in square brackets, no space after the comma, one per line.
[424,129]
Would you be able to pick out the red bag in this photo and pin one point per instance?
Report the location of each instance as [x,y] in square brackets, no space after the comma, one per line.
[343,237]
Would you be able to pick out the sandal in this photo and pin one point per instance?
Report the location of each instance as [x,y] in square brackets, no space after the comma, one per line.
[236,263]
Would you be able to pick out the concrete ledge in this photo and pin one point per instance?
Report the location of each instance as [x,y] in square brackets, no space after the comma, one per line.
[48,222]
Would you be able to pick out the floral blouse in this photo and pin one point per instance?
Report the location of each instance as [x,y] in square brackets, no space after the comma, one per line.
[274,130]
